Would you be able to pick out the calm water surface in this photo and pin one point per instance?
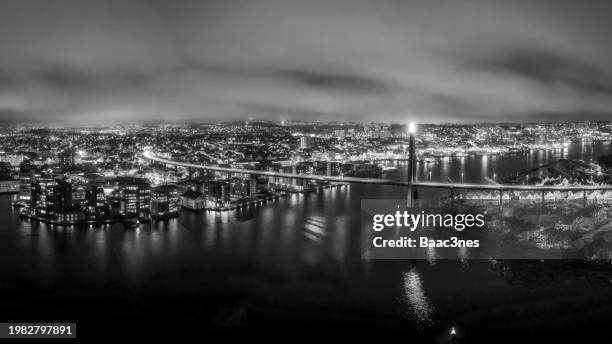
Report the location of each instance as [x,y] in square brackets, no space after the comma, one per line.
[294,262]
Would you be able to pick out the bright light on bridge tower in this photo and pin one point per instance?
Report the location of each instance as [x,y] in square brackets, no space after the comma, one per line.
[411,149]
[411,128]
[412,193]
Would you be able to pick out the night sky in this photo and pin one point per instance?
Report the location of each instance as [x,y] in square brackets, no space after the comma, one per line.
[429,61]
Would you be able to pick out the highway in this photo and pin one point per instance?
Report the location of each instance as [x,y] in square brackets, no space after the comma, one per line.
[419,184]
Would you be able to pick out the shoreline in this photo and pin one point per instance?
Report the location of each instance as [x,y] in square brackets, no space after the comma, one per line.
[70,223]
[126,222]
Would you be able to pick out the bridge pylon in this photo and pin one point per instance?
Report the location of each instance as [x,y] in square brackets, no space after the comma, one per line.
[412,192]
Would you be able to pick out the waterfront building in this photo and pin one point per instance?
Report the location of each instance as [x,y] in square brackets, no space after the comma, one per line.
[27,176]
[9,186]
[62,198]
[52,199]
[252,188]
[218,192]
[164,201]
[193,200]
[243,188]
[332,168]
[79,193]
[41,202]
[97,206]
[135,197]
[71,216]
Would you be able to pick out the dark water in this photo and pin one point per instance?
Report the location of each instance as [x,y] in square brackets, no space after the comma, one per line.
[477,168]
[293,263]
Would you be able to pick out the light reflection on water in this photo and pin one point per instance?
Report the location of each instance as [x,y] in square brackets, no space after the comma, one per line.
[431,255]
[339,239]
[302,240]
[413,295]
[477,168]
[463,255]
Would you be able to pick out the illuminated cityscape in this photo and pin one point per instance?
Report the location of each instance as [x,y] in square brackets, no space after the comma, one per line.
[435,171]
[102,175]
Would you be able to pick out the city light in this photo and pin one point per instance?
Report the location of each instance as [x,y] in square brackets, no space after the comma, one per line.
[227,166]
[412,128]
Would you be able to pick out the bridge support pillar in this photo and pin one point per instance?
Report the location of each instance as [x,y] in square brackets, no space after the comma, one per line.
[413,195]
[501,197]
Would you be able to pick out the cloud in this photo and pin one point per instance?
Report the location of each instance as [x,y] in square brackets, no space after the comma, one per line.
[337,82]
[11,116]
[551,69]
[6,80]
[300,76]
[269,111]
[79,79]
[71,80]
[334,59]
[585,115]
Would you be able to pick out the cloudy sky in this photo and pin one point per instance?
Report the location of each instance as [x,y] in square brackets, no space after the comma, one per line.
[429,61]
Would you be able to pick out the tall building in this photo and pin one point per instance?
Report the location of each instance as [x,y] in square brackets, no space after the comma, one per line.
[164,201]
[42,201]
[62,196]
[5,171]
[243,188]
[79,193]
[66,157]
[218,191]
[8,184]
[96,202]
[305,142]
[252,188]
[135,197]
[52,199]
[332,168]
[27,176]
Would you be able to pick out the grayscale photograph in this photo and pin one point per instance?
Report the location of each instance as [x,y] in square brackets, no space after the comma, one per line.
[433,170]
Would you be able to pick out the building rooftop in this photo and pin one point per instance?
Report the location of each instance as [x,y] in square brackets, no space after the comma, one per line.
[192,194]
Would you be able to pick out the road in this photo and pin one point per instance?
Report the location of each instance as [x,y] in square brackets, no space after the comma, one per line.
[440,185]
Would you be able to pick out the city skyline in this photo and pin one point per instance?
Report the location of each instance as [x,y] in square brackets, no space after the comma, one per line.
[430,62]
[439,170]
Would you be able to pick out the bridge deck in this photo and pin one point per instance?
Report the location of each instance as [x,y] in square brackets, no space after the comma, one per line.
[440,185]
